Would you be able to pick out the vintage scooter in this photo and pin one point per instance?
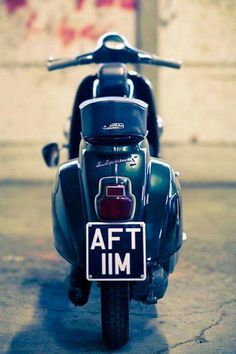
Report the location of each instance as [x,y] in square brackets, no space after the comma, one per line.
[116,206]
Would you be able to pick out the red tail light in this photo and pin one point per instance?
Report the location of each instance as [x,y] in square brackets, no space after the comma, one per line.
[115,202]
[115,191]
[115,208]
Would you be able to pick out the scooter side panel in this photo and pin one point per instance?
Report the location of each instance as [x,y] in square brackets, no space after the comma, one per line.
[172,234]
[163,212]
[69,218]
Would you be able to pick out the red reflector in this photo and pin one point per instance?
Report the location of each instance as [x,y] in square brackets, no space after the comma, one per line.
[115,191]
[115,208]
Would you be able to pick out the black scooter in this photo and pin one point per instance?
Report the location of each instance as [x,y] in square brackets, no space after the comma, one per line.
[116,206]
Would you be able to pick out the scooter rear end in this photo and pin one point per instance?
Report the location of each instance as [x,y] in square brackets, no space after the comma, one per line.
[156,202]
[116,210]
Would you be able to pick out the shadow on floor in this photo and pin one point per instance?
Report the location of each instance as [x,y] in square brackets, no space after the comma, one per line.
[58,327]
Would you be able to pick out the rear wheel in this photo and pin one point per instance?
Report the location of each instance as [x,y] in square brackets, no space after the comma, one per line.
[115,313]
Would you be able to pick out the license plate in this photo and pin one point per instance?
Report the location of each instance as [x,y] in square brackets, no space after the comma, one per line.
[116,251]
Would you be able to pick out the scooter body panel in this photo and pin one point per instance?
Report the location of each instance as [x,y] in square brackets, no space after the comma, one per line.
[68,213]
[100,161]
[154,186]
[163,212]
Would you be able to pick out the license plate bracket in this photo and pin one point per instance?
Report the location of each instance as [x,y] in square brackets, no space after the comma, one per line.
[115,251]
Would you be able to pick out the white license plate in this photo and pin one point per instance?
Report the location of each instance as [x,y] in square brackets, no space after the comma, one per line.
[116,251]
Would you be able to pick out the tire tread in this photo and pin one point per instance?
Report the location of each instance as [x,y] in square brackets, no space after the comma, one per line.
[115,314]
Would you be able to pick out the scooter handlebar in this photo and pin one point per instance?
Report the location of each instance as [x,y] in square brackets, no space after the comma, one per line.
[113,47]
[57,64]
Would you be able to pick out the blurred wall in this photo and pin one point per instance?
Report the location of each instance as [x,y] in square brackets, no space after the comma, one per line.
[197,103]
[35,103]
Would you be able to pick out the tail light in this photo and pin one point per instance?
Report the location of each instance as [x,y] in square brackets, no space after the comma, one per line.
[115,200]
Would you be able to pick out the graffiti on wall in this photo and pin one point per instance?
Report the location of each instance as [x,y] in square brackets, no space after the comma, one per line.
[64,27]
[13,5]
[125,4]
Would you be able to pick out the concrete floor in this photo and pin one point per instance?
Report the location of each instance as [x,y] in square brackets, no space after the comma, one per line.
[197,315]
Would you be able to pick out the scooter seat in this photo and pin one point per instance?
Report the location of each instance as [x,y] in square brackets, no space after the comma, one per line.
[109,119]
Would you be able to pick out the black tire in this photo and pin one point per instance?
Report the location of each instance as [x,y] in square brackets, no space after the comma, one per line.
[115,313]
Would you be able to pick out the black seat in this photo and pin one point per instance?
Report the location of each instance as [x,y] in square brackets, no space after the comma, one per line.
[112,80]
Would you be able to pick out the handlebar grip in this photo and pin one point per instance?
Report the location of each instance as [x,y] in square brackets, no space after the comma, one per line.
[146,58]
[61,63]
[169,63]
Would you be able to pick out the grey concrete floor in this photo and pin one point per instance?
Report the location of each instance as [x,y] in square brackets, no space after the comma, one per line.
[197,315]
